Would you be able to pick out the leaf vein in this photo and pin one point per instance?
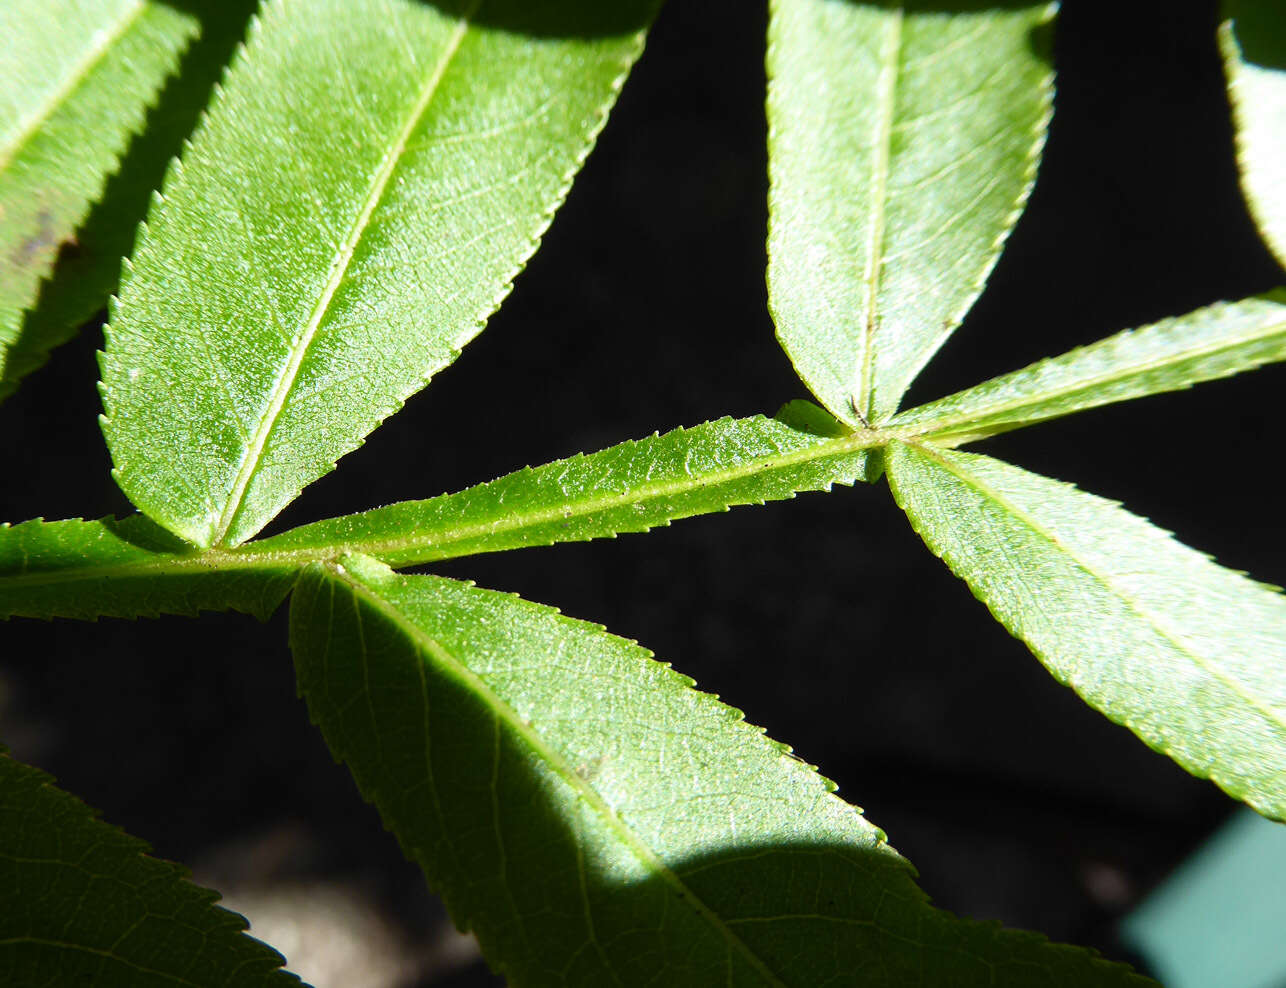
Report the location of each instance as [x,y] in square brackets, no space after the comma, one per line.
[290,371]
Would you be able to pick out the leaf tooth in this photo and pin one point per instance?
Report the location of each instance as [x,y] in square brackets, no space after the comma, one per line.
[137,844]
[546,215]
[1169,534]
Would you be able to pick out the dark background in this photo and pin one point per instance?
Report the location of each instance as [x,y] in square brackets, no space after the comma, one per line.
[823,618]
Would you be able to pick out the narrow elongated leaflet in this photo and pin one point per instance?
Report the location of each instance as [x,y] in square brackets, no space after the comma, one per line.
[1252,38]
[631,487]
[366,186]
[1217,341]
[1153,634]
[597,821]
[132,567]
[127,568]
[903,141]
[81,903]
[76,79]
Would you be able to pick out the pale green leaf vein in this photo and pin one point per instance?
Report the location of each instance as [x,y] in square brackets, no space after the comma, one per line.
[93,55]
[436,543]
[1105,580]
[886,101]
[941,420]
[286,380]
[557,762]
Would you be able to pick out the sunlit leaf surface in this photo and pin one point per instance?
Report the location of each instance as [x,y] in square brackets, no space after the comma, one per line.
[1253,40]
[903,141]
[368,182]
[631,487]
[597,821]
[1155,635]
[1217,341]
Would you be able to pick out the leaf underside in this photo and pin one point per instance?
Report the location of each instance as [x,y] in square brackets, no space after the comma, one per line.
[367,184]
[1217,341]
[1253,41]
[903,141]
[82,903]
[76,80]
[597,821]
[1149,632]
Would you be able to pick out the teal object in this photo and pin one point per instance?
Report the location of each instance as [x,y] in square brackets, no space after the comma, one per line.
[1220,919]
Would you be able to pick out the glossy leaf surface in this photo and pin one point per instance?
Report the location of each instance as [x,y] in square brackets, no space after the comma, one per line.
[127,568]
[1153,634]
[1253,41]
[1217,341]
[367,184]
[903,142]
[631,487]
[597,821]
[76,80]
[81,903]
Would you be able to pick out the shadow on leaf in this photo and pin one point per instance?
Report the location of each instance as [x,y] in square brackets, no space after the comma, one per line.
[597,821]
[87,269]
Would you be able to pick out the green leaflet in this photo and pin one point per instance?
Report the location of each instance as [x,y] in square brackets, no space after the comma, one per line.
[128,568]
[87,270]
[76,79]
[131,567]
[1213,342]
[1253,41]
[597,821]
[1151,633]
[631,487]
[81,903]
[367,184]
[903,141]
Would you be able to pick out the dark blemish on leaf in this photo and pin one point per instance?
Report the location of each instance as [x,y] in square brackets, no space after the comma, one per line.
[38,243]
[852,403]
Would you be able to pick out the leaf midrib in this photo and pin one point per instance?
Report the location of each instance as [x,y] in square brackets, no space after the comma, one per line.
[855,442]
[937,428]
[863,401]
[1105,580]
[60,93]
[285,382]
[470,680]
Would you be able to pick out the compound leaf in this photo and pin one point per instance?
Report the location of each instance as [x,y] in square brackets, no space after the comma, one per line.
[597,821]
[1217,341]
[1151,633]
[1253,41]
[367,184]
[127,568]
[82,903]
[903,141]
[631,487]
[76,79]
